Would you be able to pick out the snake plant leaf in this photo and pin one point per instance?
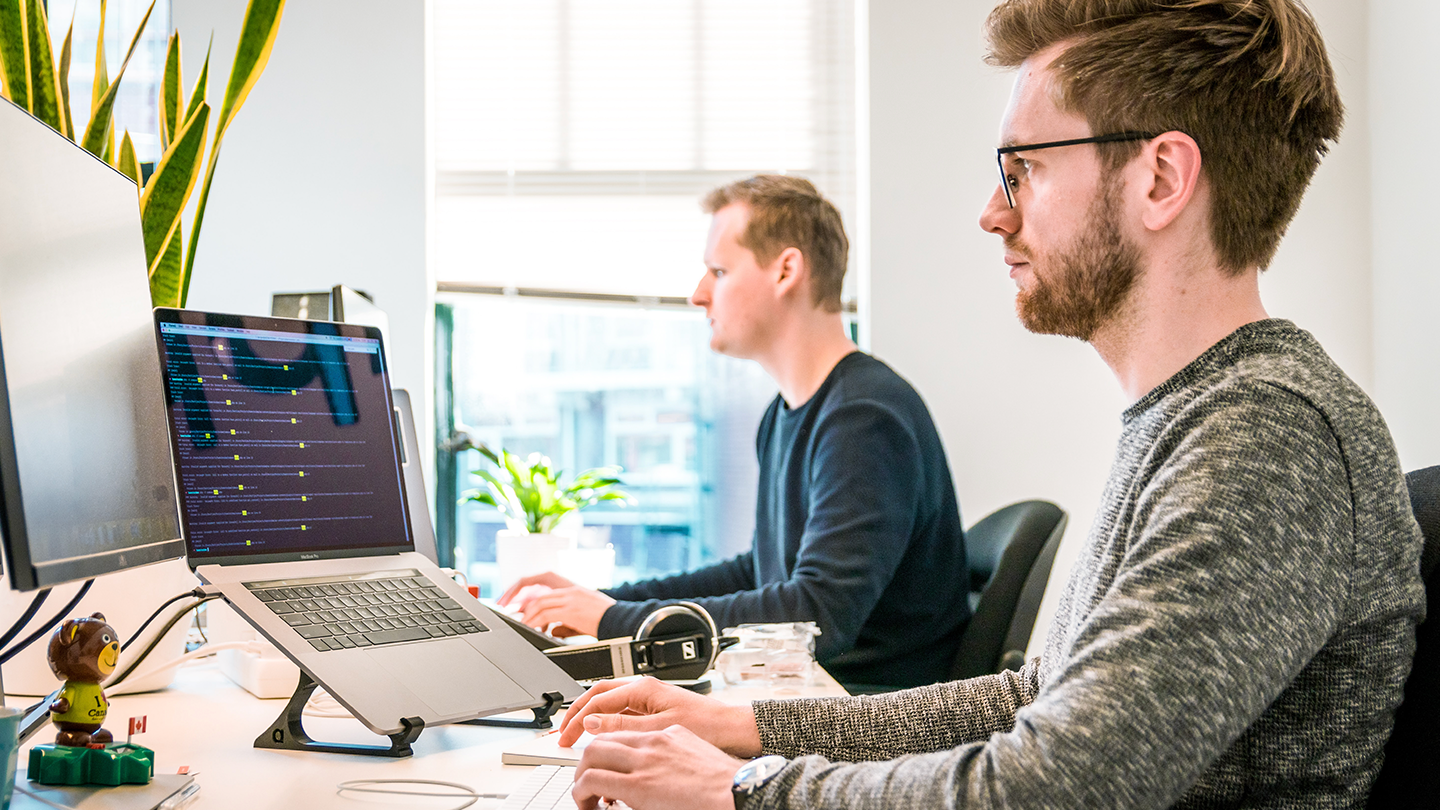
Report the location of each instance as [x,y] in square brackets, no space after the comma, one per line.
[170,90]
[14,53]
[166,194]
[127,164]
[101,82]
[44,84]
[197,96]
[252,53]
[100,117]
[165,276]
[64,76]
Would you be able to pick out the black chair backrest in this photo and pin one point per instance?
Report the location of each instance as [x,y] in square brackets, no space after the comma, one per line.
[1410,776]
[1010,552]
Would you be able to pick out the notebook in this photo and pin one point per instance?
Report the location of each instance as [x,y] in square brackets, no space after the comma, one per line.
[293,506]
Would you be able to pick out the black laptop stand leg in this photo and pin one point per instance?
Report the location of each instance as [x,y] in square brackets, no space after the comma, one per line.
[288,733]
[553,701]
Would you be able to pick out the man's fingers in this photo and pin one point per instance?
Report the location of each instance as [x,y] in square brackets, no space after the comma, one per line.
[570,733]
[619,724]
[592,785]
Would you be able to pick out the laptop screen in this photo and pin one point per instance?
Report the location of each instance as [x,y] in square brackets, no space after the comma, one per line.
[284,438]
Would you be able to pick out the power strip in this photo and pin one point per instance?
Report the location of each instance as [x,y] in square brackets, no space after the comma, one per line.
[260,669]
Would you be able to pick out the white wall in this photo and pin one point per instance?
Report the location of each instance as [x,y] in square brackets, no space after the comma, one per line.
[1026,416]
[1405,115]
[322,176]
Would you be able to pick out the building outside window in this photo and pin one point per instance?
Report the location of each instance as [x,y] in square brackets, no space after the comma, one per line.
[572,142]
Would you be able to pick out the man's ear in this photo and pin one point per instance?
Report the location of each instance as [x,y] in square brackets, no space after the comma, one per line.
[1172,161]
[792,271]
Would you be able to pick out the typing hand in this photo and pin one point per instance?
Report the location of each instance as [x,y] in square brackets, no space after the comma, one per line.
[645,704]
[579,609]
[546,581]
[656,770]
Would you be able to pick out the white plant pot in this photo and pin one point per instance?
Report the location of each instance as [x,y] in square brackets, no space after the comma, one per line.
[521,554]
[590,567]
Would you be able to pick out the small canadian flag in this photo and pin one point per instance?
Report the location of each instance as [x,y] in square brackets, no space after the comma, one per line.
[137,726]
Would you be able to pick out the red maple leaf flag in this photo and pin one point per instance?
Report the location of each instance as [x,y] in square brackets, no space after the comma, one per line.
[137,725]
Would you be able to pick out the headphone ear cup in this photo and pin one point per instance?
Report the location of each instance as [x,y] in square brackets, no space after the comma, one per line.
[683,618]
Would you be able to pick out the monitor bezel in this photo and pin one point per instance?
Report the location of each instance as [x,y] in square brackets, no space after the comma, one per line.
[193,317]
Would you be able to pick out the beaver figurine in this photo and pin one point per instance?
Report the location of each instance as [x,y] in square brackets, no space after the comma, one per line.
[82,652]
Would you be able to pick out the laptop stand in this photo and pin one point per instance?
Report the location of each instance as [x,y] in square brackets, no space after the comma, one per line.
[288,733]
[553,700]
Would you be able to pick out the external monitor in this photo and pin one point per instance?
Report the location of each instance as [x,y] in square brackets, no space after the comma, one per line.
[86,484]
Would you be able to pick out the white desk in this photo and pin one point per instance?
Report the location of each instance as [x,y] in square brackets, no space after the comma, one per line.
[208,723]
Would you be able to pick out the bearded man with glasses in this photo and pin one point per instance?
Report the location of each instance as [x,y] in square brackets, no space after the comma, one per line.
[1239,626]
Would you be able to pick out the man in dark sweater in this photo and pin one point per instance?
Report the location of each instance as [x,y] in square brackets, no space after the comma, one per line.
[856,526]
[1238,627]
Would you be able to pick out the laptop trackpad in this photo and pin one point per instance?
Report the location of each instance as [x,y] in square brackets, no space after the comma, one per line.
[450,676]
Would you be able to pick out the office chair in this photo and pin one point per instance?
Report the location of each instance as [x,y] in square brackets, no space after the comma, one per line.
[1409,778]
[1010,552]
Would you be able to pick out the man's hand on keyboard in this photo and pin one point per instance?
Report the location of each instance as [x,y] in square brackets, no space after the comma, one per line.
[551,601]
[646,704]
[655,770]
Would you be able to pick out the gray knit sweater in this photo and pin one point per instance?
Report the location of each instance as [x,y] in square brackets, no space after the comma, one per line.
[1236,632]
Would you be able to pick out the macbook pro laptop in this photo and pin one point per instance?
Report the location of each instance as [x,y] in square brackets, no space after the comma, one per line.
[293,506]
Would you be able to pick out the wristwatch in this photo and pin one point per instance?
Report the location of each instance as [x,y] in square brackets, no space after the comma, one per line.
[754,775]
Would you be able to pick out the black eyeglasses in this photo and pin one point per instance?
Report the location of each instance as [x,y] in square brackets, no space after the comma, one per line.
[1030,147]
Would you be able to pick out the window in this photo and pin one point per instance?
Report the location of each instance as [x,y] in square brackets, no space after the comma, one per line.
[573,139]
[137,103]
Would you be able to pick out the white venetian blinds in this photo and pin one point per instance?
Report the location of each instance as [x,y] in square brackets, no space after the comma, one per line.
[574,137]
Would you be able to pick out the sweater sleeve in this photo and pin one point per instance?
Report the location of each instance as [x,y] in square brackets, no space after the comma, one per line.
[1238,575]
[636,600]
[873,727]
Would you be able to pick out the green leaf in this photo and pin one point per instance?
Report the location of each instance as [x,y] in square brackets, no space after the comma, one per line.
[14,58]
[257,39]
[165,278]
[64,75]
[127,164]
[44,85]
[101,82]
[164,201]
[197,96]
[98,130]
[170,92]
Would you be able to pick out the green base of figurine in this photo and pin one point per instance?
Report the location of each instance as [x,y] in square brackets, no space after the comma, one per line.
[115,764]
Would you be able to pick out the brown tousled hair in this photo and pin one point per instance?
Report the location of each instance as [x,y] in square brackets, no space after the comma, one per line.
[1249,80]
[788,211]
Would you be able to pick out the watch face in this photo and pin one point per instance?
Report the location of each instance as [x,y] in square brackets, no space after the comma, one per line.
[754,774]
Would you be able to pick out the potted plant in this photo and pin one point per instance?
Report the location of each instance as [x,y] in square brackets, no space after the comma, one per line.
[33,78]
[541,512]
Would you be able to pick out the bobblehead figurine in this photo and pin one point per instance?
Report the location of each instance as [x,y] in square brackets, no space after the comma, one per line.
[82,652]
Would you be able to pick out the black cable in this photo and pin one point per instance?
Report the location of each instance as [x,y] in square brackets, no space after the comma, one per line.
[155,641]
[25,619]
[195,593]
[45,628]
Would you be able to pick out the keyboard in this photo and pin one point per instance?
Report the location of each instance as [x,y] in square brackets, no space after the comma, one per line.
[546,788]
[366,610]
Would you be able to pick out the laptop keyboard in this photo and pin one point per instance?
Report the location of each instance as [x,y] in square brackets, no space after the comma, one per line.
[366,610]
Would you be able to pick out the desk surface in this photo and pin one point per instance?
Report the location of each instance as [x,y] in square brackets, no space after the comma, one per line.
[208,723]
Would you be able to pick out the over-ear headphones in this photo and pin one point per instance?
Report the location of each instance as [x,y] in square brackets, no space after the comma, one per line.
[678,641]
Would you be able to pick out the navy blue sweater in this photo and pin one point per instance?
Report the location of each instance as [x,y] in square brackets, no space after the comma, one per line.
[856,528]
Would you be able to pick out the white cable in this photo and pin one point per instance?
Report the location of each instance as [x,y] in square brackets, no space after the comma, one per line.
[465,791]
[323,704]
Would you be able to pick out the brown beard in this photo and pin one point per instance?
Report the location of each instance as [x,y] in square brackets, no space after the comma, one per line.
[1087,282]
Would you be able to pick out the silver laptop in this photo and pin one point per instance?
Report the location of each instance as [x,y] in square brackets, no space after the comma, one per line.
[293,505]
